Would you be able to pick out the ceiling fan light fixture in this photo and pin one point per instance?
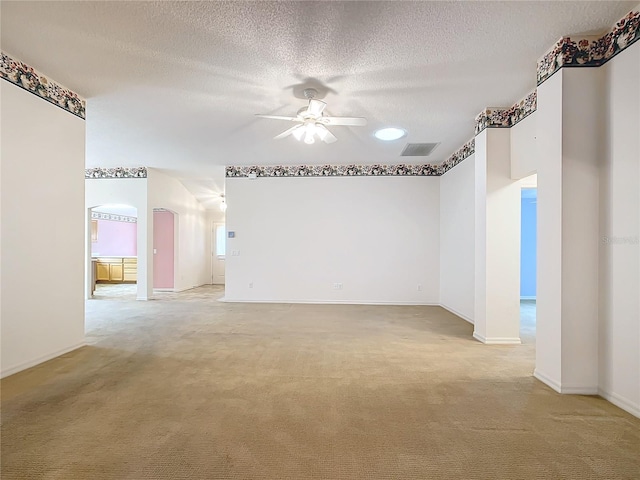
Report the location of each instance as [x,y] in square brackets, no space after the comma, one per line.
[308,138]
[321,131]
[390,133]
[312,122]
[298,133]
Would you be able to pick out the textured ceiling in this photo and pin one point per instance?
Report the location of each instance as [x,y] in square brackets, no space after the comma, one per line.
[175,85]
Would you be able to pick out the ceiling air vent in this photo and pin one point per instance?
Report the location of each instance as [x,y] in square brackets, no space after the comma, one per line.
[418,149]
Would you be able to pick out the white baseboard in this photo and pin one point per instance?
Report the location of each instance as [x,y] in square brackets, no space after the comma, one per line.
[178,290]
[456,313]
[328,302]
[565,389]
[569,390]
[528,298]
[39,360]
[547,380]
[620,402]
[497,340]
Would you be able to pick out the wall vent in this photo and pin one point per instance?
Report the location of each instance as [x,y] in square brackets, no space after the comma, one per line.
[418,149]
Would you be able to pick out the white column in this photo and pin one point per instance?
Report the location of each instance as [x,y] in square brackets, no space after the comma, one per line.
[569,149]
[497,240]
[145,252]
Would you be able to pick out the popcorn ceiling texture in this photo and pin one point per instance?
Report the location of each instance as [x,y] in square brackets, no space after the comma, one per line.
[175,85]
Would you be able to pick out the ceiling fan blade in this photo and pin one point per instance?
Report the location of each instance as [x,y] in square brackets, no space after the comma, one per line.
[279,117]
[287,132]
[316,107]
[325,135]
[350,121]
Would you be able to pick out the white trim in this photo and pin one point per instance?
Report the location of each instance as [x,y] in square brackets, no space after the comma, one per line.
[178,290]
[175,290]
[547,380]
[39,360]
[579,390]
[565,390]
[527,298]
[497,340]
[330,302]
[620,402]
[458,314]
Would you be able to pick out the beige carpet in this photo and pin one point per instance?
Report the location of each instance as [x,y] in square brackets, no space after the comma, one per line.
[186,387]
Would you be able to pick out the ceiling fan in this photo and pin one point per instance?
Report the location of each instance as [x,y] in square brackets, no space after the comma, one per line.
[312,123]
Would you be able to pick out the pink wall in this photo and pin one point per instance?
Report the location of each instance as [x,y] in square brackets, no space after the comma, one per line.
[163,244]
[116,239]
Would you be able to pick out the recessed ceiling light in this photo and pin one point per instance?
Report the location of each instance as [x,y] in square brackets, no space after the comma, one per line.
[390,133]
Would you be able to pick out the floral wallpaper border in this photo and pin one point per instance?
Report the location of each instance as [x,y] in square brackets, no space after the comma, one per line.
[113,217]
[32,81]
[117,172]
[332,170]
[590,51]
[400,170]
[458,156]
[507,117]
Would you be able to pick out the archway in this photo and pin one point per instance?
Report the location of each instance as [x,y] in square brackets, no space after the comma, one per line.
[112,251]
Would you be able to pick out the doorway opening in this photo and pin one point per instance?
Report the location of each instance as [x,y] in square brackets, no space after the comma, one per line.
[113,252]
[218,253]
[528,258]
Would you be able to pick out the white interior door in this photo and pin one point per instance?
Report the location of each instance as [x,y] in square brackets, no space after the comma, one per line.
[219,236]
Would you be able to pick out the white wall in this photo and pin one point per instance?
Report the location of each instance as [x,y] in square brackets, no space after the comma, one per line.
[548,241]
[42,191]
[523,147]
[132,192]
[296,237]
[193,260]
[457,250]
[582,127]
[570,128]
[497,240]
[619,334]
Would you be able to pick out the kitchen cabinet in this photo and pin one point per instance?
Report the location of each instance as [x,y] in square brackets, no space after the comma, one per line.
[116,269]
[102,272]
[130,269]
[116,272]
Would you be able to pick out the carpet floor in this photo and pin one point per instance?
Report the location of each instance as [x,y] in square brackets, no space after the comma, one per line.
[187,387]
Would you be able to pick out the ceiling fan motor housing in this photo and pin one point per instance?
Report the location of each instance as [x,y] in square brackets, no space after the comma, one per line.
[310,93]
